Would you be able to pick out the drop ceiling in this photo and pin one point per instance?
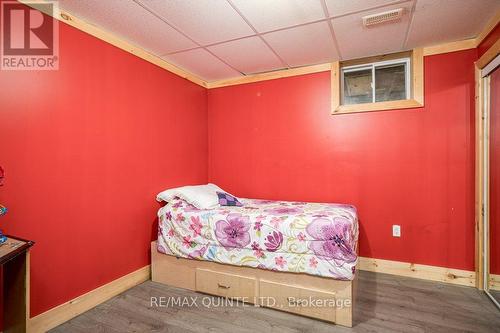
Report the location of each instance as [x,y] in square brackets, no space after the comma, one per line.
[221,39]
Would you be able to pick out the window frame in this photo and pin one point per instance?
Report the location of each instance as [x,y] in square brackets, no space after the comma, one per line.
[414,82]
[373,67]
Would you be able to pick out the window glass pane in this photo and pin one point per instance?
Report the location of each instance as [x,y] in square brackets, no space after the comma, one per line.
[358,86]
[390,82]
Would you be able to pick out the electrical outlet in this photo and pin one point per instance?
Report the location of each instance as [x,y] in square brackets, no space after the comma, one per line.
[396,230]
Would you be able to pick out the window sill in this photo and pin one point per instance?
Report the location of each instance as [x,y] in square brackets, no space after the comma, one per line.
[378,106]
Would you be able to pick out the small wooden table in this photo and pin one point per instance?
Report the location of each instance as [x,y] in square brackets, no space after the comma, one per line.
[14,260]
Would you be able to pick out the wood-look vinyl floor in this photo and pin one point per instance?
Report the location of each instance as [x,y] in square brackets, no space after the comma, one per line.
[384,303]
[495,294]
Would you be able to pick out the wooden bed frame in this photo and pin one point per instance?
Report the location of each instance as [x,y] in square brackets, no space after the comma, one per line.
[312,296]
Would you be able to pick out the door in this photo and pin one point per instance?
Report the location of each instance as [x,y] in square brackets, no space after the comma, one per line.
[491,95]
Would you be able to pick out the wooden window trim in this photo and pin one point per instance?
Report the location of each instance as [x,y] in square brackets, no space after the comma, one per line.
[416,77]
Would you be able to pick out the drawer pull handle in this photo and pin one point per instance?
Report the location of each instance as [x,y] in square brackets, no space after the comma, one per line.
[223,286]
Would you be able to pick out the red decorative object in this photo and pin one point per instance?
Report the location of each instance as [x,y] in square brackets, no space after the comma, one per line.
[2,174]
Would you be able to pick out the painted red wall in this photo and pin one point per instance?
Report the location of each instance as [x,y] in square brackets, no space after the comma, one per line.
[495,173]
[86,149]
[276,139]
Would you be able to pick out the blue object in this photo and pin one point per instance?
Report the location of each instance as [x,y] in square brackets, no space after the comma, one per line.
[3,211]
[226,199]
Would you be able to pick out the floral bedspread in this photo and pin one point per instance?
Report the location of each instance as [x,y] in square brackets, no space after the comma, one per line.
[313,238]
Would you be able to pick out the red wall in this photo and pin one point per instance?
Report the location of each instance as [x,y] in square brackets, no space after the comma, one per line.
[495,173]
[86,149]
[276,139]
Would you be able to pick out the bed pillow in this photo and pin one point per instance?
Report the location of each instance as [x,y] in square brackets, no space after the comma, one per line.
[226,199]
[200,196]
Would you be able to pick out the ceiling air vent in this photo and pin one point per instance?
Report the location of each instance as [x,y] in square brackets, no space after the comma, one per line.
[389,16]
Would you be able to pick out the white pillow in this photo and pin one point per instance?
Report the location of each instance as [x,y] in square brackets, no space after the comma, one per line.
[200,196]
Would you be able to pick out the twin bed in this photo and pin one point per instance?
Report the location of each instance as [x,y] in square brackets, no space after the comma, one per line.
[292,256]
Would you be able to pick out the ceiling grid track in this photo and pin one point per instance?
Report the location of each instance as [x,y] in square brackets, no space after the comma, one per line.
[257,34]
[370,8]
[328,19]
[407,36]
[200,46]
[330,26]
[283,63]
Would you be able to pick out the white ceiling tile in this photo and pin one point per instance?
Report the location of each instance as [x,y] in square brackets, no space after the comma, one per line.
[356,41]
[205,21]
[266,15]
[304,45]
[342,7]
[436,22]
[249,55]
[203,64]
[217,22]
[131,22]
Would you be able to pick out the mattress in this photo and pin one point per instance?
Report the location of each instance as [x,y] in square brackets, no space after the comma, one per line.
[313,238]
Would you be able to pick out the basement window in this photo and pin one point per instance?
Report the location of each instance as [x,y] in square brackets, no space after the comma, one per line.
[378,83]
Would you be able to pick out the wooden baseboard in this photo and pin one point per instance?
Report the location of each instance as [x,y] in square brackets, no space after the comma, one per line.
[432,273]
[495,282]
[64,312]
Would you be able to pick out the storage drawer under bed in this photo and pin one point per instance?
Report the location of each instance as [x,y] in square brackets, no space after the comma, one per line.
[288,290]
[297,299]
[226,285]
